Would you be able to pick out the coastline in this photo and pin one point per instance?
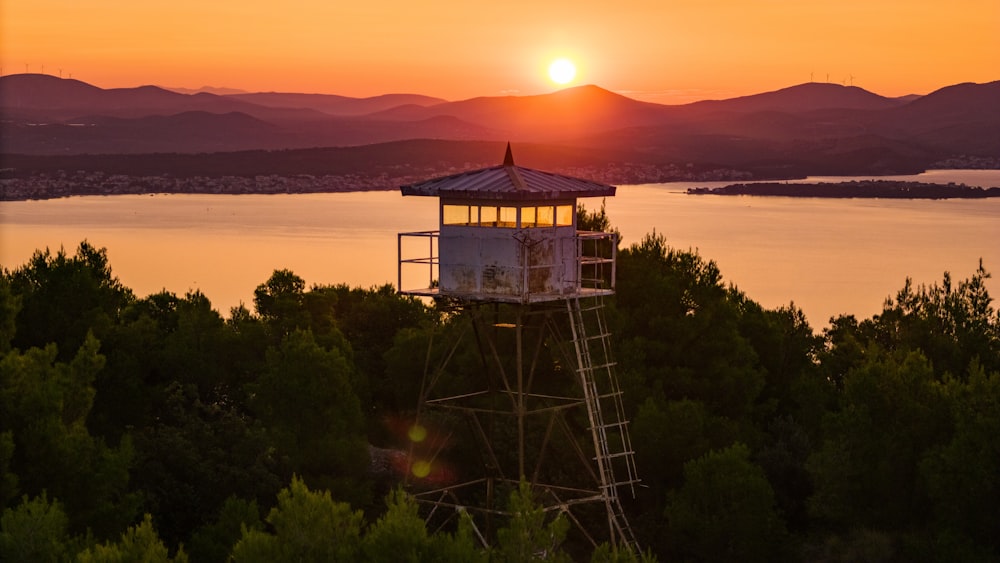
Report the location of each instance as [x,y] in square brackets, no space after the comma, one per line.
[61,184]
[82,183]
[890,189]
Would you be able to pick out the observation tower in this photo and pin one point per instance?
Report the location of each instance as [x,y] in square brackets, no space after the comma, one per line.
[538,396]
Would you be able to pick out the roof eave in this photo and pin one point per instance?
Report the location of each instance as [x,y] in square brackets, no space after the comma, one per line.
[508,182]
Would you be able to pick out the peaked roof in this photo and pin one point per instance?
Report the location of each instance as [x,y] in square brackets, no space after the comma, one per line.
[508,182]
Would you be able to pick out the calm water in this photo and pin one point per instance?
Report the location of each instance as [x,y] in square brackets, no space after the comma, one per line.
[827,256]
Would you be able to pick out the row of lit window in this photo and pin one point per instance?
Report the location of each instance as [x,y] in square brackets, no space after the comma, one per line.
[504,216]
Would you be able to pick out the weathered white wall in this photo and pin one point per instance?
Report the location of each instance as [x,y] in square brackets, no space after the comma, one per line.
[480,262]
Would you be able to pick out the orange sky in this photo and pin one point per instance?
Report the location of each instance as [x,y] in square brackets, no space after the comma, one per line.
[668,51]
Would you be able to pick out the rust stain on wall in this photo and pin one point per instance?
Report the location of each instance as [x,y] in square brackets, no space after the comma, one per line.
[540,264]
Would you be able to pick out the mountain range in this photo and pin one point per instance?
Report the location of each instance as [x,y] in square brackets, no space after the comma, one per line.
[811,128]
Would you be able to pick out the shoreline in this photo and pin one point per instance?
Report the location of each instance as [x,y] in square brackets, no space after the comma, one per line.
[63,184]
[888,189]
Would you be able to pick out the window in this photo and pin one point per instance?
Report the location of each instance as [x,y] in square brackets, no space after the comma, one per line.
[564,216]
[488,216]
[545,217]
[528,217]
[459,215]
[508,217]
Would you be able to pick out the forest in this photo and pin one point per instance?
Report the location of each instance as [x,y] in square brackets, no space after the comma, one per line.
[157,429]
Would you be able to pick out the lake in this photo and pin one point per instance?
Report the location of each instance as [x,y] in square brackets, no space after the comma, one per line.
[828,256]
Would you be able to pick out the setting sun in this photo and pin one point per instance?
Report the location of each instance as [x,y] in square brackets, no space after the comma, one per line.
[562,71]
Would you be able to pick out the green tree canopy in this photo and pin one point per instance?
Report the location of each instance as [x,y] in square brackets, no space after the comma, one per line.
[963,475]
[195,456]
[304,398]
[530,534]
[64,298]
[279,301]
[951,325]
[44,404]
[400,534]
[35,530]
[725,511]
[307,526]
[212,542]
[10,304]
[679,330]
[866,469]
[138,543]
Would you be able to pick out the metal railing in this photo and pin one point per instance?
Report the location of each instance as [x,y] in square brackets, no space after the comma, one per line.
[432,260]
[596,259]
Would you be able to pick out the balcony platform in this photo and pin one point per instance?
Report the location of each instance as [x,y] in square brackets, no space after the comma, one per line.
[581,293]
[584,266]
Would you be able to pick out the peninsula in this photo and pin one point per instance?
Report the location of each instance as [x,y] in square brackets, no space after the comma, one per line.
[893,189]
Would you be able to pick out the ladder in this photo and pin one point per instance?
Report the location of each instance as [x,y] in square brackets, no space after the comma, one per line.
[603,397]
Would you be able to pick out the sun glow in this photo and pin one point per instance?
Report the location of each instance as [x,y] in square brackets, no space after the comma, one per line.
[562,71]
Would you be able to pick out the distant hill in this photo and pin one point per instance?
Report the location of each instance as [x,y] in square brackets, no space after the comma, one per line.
[804,129]
[807,97]
[856,132]
[561,115]
[222,91]
[337,105]
[196,131]
[962,119]
[48,99]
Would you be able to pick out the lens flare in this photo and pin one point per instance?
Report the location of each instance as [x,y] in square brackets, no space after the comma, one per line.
[421,469]
[417,433]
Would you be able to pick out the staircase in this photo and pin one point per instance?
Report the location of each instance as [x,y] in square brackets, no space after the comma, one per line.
[613,449]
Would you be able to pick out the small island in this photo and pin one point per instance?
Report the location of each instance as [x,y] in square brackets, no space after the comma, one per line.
[854,189]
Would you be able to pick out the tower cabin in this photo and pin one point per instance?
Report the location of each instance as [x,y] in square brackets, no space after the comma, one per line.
[507,234]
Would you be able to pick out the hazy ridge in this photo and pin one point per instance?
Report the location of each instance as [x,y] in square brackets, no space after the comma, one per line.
[812,128]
